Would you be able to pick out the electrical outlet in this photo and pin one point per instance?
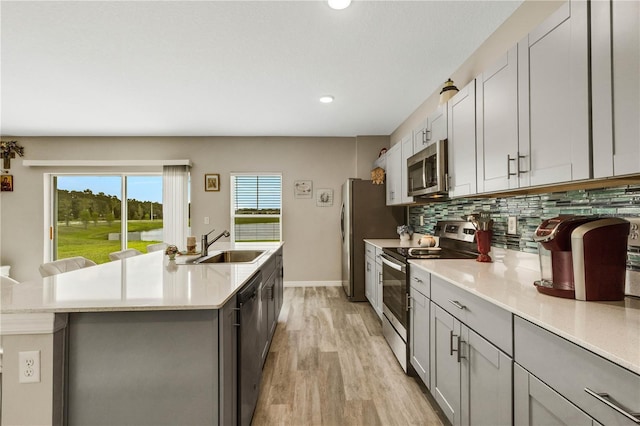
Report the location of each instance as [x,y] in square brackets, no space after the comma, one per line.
[512,225]
[29,368]
[206,220]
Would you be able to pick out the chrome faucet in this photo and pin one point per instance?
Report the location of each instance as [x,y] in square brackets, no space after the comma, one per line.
[205,244]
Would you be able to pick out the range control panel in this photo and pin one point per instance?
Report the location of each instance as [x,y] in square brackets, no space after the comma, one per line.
[456,230]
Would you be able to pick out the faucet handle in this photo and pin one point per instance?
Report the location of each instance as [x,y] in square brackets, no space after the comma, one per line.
[209,233]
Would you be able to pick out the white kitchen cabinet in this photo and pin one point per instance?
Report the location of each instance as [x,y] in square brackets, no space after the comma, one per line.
[462,142]
[419,318]
[537,404]
[553,97]
[378,275]
[394,175]
[499,164]
[615,66]
[433,128]
[407,151]
[373,277]
[370,288]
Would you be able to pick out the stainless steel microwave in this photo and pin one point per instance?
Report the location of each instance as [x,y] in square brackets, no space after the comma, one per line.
[427,171]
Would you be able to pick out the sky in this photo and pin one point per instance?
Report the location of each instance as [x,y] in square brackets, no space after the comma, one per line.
[141,188]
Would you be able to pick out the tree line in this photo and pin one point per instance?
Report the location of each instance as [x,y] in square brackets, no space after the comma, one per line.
[89,207]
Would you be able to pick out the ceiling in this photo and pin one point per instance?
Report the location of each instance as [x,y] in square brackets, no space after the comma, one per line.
[229,68]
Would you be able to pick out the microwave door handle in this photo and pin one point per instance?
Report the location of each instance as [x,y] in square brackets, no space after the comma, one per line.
[424,173]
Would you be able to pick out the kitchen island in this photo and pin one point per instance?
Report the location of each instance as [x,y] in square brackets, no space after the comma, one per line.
[143,340]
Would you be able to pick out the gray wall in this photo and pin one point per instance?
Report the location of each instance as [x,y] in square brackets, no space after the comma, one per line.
[311,234]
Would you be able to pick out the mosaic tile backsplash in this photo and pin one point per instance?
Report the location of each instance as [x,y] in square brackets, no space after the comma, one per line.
[531,210]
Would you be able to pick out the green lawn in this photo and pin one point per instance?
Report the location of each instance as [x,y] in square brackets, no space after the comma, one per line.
[93,242]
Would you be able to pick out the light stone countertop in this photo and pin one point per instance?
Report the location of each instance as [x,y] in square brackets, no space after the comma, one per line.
[146,282]
[609,329]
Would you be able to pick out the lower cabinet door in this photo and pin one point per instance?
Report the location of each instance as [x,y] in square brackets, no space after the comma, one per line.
[537,404]
[419,335]
[486,382]
[445,366]
[369,280]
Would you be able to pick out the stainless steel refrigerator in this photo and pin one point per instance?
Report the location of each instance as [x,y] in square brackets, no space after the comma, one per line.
[364,215]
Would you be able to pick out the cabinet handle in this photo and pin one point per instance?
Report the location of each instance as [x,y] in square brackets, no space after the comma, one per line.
[427,135]
[408,299]
[451,350]
[237,323]
[509,160]
[379,277]
[416,279]
[606,399]
[457,304]
[521,157]
[368,267]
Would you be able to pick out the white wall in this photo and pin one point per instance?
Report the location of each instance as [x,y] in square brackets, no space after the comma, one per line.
[311,234]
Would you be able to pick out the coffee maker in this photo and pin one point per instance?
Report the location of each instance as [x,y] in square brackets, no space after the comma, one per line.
[582,257]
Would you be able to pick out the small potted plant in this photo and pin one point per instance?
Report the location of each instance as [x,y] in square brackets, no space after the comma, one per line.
[405,232]
[171,251]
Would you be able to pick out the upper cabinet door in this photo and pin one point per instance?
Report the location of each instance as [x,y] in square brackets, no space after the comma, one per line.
[498,159]
[615,64]
[393,175]
[554,97]
[407,151]
[462,141]
[437,124]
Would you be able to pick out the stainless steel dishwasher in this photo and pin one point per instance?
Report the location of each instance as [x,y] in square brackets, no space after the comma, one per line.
[249,351]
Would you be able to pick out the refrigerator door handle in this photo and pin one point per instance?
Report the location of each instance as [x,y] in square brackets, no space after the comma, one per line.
[342,221]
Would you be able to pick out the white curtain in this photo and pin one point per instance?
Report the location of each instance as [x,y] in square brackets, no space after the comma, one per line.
[175,205]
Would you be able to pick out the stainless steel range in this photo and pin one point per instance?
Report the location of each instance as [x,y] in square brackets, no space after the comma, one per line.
[456,241]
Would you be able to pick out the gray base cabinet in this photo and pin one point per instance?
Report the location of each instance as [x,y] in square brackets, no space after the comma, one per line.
[537,404]
[603,390]
[419,319]
[470,378]
[445,367]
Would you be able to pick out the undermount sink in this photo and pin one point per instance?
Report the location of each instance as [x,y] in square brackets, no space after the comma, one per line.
[229,256]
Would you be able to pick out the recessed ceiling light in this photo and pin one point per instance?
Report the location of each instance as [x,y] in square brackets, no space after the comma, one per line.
[339,4]
[326,99]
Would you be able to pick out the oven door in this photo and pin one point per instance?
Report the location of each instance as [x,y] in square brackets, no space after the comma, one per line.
[394,294]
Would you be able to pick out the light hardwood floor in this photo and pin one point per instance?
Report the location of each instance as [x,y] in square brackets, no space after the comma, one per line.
[329,365]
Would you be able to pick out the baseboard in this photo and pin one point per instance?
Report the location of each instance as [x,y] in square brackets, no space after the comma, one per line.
[312,283]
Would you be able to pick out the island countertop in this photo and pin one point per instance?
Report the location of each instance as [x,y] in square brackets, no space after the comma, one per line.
[145,282]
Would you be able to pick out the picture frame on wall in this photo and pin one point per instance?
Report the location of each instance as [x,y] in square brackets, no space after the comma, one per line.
[212,182]
[6,183]
[303,189]
[324,197]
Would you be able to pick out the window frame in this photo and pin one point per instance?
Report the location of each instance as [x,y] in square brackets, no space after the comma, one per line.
[50,240]
[233,216]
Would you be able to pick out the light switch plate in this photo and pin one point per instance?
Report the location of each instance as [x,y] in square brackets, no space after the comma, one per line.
[512,225]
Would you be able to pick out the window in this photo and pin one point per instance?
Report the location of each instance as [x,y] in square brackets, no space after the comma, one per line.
[256,207]
[90,219]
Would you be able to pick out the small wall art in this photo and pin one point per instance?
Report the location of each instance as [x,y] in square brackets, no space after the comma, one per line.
[303,189]
[212,182]
[6,183]
[324,197]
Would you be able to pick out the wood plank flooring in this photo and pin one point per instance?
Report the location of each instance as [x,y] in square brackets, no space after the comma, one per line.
[329,365]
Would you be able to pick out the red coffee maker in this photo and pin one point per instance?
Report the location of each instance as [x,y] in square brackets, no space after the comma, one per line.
[582,257]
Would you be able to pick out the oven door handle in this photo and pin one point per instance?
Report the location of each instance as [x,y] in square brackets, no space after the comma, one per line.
[392,264]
